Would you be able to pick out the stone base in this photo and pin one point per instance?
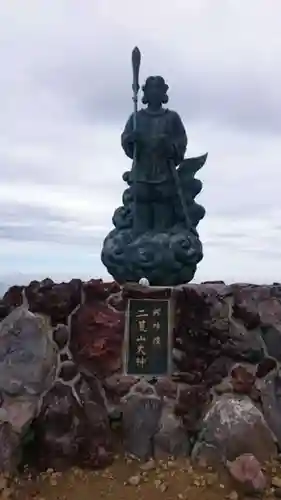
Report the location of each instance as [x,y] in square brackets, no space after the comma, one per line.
[221,400]
[165,259]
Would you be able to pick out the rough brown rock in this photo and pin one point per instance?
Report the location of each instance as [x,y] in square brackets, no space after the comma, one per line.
[265,367]
[233,426]
[191,404]
[171,439]
[55,300]
[216,325]
[28,361]
[141,409]
[242,380]
[224,337]
[9,448]
[96,332]
[73,427]
[247,471]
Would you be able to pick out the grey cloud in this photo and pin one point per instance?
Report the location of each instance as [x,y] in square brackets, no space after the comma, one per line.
[222,237]
[66,93]
[20,212]
[99,91]
[21,222]
[60,234]
[86,68]
[251,206]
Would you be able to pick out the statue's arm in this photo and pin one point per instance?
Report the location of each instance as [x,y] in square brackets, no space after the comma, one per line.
[126,138]
[179,142]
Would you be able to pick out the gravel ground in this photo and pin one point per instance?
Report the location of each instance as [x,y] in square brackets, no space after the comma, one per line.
[128,480]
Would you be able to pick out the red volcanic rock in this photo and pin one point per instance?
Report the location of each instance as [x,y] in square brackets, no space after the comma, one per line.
[256,304]
[218,332]
[202,327]
[116,300]
[73,428]
[9,448]
[219,325]
[97,290]
[218,369]
[191,403]
[247,471]
[165,387]
[265,366]
[96,332]
[11,299]
[231,426]
[56,300]
[242,380]
[116,386]
[216,326]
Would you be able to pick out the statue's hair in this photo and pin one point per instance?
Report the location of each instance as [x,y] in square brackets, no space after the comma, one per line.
[162,86]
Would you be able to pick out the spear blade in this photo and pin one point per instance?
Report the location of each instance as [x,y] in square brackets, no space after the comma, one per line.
[136,60]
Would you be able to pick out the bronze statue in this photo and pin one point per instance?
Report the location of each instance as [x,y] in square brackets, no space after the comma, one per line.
[160,142]
[155,235]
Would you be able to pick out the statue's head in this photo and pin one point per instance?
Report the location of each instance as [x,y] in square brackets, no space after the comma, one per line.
[155,91]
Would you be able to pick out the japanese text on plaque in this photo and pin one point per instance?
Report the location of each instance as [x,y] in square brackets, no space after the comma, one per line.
[148,336]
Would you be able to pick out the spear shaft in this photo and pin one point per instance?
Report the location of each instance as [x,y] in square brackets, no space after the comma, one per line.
[136,59]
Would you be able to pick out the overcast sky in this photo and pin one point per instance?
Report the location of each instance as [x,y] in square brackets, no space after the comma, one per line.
[65,90]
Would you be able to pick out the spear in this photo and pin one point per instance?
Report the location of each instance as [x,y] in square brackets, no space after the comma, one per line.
[136,59]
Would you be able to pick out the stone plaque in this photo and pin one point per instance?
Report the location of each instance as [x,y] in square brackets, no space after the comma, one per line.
[148,337]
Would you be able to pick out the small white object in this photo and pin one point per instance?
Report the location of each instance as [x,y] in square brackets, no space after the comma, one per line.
[144,282]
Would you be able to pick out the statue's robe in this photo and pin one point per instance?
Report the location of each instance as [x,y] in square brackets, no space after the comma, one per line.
[154,186]
[152,163]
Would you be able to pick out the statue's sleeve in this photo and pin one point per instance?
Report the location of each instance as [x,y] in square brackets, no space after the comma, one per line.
[179,141]
[127,145]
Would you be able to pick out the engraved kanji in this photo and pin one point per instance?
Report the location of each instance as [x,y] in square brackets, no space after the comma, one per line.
[156,325]
[141,350]
[156,341]
[141,361]
[156,311]
[141,314]
[141,338]
[142,325]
